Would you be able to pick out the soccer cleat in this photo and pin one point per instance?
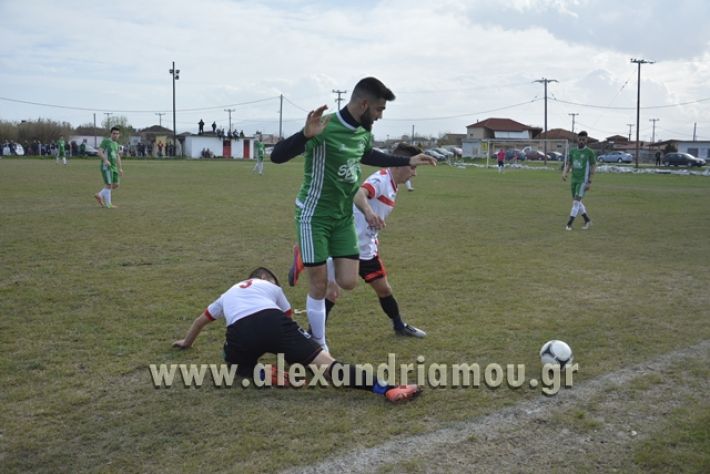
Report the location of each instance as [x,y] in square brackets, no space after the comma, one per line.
[275,378]
[100,200]
[410,331]
[587,225]
[402,393]
[568,227]
[296,266]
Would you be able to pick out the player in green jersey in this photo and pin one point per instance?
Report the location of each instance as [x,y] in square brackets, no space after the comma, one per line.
[259,150]
[582,162]
[111,168]
[61,150]
[334,146]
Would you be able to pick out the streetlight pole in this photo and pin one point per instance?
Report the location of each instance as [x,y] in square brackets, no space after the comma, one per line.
[545,81]
[653,134]
[229,111]
[176,75]
[339,99]
[639,62]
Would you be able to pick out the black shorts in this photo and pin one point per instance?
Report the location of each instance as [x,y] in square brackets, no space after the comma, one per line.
[371,270]
[267,331]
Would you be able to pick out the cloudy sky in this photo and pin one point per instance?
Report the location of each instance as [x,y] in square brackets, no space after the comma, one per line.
[450,62]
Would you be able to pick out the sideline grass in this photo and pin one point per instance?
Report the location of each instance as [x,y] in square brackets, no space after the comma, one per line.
[90,297]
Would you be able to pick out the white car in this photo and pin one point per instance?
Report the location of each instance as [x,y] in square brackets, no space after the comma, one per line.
[435,154]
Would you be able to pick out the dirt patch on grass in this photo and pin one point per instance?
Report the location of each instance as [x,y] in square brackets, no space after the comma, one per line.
[593,426]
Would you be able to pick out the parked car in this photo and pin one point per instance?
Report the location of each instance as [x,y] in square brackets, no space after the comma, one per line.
[455,150]
[90,150]
[445,152]
[555,156]
[435,154]
[531,154]
[615,157]
[682,159]
[512,154]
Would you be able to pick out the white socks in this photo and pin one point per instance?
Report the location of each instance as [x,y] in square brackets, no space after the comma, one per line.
[316,318]
[105,193]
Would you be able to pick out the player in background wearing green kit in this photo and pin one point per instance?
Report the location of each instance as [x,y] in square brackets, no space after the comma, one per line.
[582,161]
[111,168]
[259,150]
[334,146]
[61,150]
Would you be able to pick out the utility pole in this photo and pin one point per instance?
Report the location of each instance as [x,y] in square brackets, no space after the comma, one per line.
[695,131]
[631,126]
[281,115]
[339,99]
[229,111]
[160,117]
[545,81]
[108,114]
[653,134]
[94,129]
[176,75]
[413,143]
[639,62]
[573,116]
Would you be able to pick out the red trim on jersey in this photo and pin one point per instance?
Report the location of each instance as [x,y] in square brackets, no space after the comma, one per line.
[394,185]
[386,200]
[209,316]
[370,190]
[289,313]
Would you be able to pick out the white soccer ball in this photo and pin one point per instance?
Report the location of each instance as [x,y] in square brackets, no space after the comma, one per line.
[557,353]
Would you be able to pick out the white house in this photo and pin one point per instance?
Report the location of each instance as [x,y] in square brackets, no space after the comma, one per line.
[237,148]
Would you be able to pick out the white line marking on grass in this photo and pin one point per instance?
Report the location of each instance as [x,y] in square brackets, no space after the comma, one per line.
[494,425]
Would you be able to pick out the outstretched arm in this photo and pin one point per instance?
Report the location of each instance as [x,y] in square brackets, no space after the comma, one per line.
[377,158]
[200,322]
[296,143]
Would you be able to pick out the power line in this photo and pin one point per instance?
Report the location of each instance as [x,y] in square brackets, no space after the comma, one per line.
[198,109]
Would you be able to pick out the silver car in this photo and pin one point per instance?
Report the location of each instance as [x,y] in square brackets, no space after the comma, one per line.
[615,157]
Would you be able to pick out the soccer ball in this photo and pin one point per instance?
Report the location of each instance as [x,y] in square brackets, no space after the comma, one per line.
[557,353]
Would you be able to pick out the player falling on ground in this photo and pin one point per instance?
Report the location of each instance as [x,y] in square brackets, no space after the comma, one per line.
[258,318]
[334,147]
[582,162]
[111,168]
[380,191]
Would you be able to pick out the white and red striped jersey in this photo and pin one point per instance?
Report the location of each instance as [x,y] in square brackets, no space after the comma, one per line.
[381,193]
[246,298]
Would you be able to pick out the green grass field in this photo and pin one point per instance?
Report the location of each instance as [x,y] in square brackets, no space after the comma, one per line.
[90,297]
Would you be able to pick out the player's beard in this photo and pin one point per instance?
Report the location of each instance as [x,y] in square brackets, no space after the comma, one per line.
[366,120]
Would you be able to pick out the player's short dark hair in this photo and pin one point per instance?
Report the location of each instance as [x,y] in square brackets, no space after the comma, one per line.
[115,128]
[264,273]
[372,88]
[405,149]
[583,133]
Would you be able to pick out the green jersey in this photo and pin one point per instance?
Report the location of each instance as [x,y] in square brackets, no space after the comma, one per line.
[259,151]
[61,146]
[110,149]
[581,161]
[332,170]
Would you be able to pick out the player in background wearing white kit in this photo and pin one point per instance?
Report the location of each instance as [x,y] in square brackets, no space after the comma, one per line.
[258,318]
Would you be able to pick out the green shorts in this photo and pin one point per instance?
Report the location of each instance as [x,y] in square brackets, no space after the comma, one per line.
[578,189]
[320,238]
[110,175]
